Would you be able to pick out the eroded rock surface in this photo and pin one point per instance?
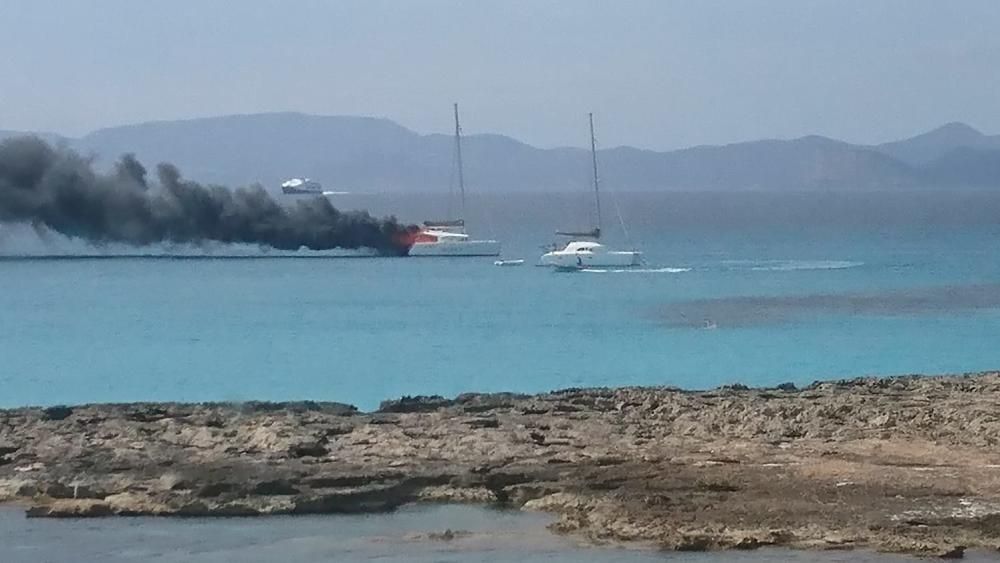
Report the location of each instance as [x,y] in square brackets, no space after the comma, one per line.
[902,464]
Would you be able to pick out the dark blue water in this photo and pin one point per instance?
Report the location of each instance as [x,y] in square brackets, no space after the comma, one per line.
[751,288]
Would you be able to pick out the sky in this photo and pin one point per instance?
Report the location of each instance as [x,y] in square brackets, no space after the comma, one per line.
[658,74]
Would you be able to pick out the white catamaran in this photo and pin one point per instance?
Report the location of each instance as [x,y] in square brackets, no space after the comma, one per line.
[583,250]
[448,237]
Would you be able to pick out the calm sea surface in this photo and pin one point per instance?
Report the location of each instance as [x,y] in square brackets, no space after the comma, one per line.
[754,288]
[485,535]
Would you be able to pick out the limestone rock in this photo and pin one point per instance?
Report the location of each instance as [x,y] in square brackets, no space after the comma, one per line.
[903,464]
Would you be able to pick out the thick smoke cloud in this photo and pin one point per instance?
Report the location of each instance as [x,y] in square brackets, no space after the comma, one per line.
[58,189]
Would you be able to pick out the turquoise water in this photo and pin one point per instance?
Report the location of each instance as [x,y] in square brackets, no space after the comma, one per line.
[486,535]
[911,279]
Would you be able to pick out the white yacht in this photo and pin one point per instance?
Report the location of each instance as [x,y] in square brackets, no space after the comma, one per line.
[583,249]
[305,186]
[581,254]
[448,237]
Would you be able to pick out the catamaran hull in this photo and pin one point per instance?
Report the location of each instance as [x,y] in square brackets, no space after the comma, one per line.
[466,248]
[581,260]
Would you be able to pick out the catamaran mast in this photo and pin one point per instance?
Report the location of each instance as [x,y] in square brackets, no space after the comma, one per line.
[458,157]
[597,192]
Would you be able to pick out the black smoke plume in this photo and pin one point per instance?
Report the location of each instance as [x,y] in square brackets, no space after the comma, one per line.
[58,189]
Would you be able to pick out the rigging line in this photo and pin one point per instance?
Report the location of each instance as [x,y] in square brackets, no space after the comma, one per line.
[489,217]
[487,214]
[593,156]
[614,192]
[451,190]
[458,154]
[451,186]
[621,219]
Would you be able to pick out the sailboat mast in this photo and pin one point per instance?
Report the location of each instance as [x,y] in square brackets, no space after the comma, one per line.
[458,157]
[593,156]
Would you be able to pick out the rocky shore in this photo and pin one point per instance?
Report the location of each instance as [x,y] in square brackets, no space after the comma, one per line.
[907,464]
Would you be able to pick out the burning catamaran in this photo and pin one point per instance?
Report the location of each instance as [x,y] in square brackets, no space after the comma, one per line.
[448,237]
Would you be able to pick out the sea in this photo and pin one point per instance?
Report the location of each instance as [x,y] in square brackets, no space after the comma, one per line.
[411,534]
[756,288]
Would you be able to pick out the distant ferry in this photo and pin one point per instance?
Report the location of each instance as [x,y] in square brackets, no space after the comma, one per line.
[305,186]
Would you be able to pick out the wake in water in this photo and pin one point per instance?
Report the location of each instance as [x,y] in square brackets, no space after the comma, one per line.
[796,265]
[23,242]
[791,265]
[636,270]
[742,265]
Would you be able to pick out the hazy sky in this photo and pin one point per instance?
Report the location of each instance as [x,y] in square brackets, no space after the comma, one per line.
[659,73]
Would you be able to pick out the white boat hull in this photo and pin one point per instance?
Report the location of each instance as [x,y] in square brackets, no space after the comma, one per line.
[579,260]
[457,248]
[589,253]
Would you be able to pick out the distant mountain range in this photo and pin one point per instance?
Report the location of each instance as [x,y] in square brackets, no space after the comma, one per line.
[373,154]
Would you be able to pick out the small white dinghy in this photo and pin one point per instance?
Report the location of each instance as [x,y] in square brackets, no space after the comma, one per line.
[508,262]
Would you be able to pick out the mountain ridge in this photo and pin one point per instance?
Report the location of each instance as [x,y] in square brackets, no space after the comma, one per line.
[379,154]
[923,149]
